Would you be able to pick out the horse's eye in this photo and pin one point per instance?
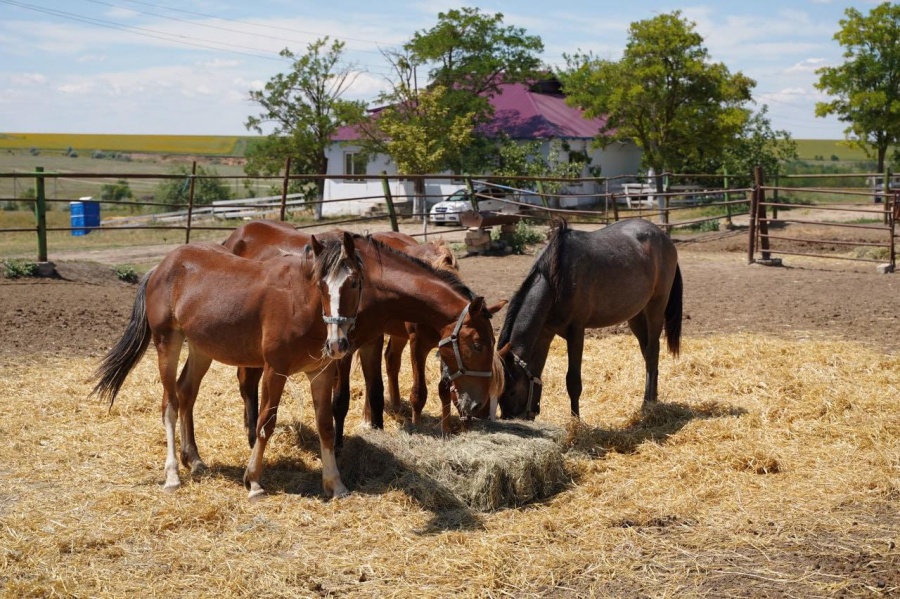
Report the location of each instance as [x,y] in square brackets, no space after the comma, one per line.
[477,346]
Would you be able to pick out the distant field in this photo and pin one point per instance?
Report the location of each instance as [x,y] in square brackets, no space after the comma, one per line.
[204,145]
[828,150]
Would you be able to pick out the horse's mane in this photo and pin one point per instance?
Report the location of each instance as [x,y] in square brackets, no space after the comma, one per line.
[446,259]
[330,260]
[448,276]
[548,264]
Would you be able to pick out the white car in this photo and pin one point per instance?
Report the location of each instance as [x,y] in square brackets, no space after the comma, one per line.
[447,211]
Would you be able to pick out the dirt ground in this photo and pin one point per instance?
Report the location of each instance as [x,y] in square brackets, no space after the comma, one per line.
[84,309]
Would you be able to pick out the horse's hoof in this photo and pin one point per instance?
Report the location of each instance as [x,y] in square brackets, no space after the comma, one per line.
[171,487]
[198,467]
[255,492]
[340,491]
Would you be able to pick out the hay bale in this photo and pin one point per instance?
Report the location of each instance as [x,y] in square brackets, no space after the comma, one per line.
[499,465]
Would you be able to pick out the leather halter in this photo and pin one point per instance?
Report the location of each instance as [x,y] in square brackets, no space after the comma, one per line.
[453,340]
[532,380]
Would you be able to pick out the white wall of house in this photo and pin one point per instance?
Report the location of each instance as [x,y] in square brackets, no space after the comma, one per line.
[364,196]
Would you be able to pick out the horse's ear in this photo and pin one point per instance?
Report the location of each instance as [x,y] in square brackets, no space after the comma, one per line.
[317,246]
[348,248]
[498,306]
[504,350]
[477,305]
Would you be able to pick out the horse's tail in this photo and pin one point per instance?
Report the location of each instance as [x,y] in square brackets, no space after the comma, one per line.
[122,358]
[673,314]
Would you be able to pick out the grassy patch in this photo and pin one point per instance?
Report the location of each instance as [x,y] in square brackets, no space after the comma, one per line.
[14,269]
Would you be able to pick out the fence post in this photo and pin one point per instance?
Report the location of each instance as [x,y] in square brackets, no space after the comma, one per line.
[284,187]
[762,225]
[187,235]
[775,194]
[542,194]
[751,244]
[40,214]
[727,197]
[886,190]
[389,201]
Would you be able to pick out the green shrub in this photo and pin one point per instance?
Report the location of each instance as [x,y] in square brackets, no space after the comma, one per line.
[523,236]
[127,273]
[13,269]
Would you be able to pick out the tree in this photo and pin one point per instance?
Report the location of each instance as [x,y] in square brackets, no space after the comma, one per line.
[664,94]
[468,55]
[471,54]
[305,108]
[866,87]
[175,193]
[419,134]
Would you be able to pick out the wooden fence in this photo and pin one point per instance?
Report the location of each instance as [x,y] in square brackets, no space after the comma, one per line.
[686,201]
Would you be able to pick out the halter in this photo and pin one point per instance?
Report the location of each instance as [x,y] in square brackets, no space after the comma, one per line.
[453,340]
[532,380]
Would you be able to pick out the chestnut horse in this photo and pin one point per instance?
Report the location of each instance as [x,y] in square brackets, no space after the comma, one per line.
[627,271]
[262,239]
[284,316]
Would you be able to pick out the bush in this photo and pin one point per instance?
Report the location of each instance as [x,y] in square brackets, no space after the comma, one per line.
[522,237]
[127,273]
[13,269]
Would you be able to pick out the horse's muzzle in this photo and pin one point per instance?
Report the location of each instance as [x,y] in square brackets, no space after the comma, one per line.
[337,348]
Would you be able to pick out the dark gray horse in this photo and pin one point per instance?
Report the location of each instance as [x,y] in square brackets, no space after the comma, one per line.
[627,271]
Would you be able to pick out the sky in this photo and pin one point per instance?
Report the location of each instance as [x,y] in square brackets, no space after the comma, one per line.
[186,67]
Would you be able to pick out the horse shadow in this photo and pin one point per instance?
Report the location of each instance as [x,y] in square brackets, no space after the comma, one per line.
[655,422]
[366,468]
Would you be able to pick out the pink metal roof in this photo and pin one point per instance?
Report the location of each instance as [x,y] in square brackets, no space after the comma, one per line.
[525,114]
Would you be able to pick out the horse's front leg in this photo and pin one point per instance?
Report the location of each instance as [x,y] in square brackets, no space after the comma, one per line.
[393,357]
[272,388]
[248,383]
[445,392]
[321,382]
[575,347]
[370,361]
[340,398]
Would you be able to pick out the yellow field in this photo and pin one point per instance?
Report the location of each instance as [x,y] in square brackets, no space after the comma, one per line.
[206,145]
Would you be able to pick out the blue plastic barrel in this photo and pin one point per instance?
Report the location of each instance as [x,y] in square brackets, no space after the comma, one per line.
[85,216]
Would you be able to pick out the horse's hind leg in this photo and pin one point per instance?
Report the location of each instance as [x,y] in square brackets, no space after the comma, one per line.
[195,368]
[575,350]
[168,347]
[647,330]
[248,383]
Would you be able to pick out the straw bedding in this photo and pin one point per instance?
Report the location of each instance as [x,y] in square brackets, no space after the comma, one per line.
[770,468]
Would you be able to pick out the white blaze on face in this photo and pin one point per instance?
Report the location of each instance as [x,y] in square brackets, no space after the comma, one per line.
[334,284]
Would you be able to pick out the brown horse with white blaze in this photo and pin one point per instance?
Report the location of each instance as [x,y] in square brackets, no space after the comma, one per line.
[266,315]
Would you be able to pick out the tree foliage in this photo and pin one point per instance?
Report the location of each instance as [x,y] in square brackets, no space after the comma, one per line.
[664,94]
[471,54]
[866,87]
[175,193]
[468,55]
[304,109]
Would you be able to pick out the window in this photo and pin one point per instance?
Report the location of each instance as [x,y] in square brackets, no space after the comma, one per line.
[355,164]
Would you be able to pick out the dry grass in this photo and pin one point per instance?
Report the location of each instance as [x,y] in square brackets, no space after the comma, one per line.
[771,468]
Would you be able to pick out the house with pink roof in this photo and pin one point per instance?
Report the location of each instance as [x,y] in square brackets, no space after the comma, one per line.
[524,113]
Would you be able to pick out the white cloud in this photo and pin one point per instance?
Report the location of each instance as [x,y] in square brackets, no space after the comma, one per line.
[808,65]
[28,79]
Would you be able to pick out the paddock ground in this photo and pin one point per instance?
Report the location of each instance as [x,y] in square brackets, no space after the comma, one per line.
[773,469]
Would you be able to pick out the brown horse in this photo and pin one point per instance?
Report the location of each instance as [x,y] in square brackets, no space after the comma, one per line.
[284,316]
[262,239]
